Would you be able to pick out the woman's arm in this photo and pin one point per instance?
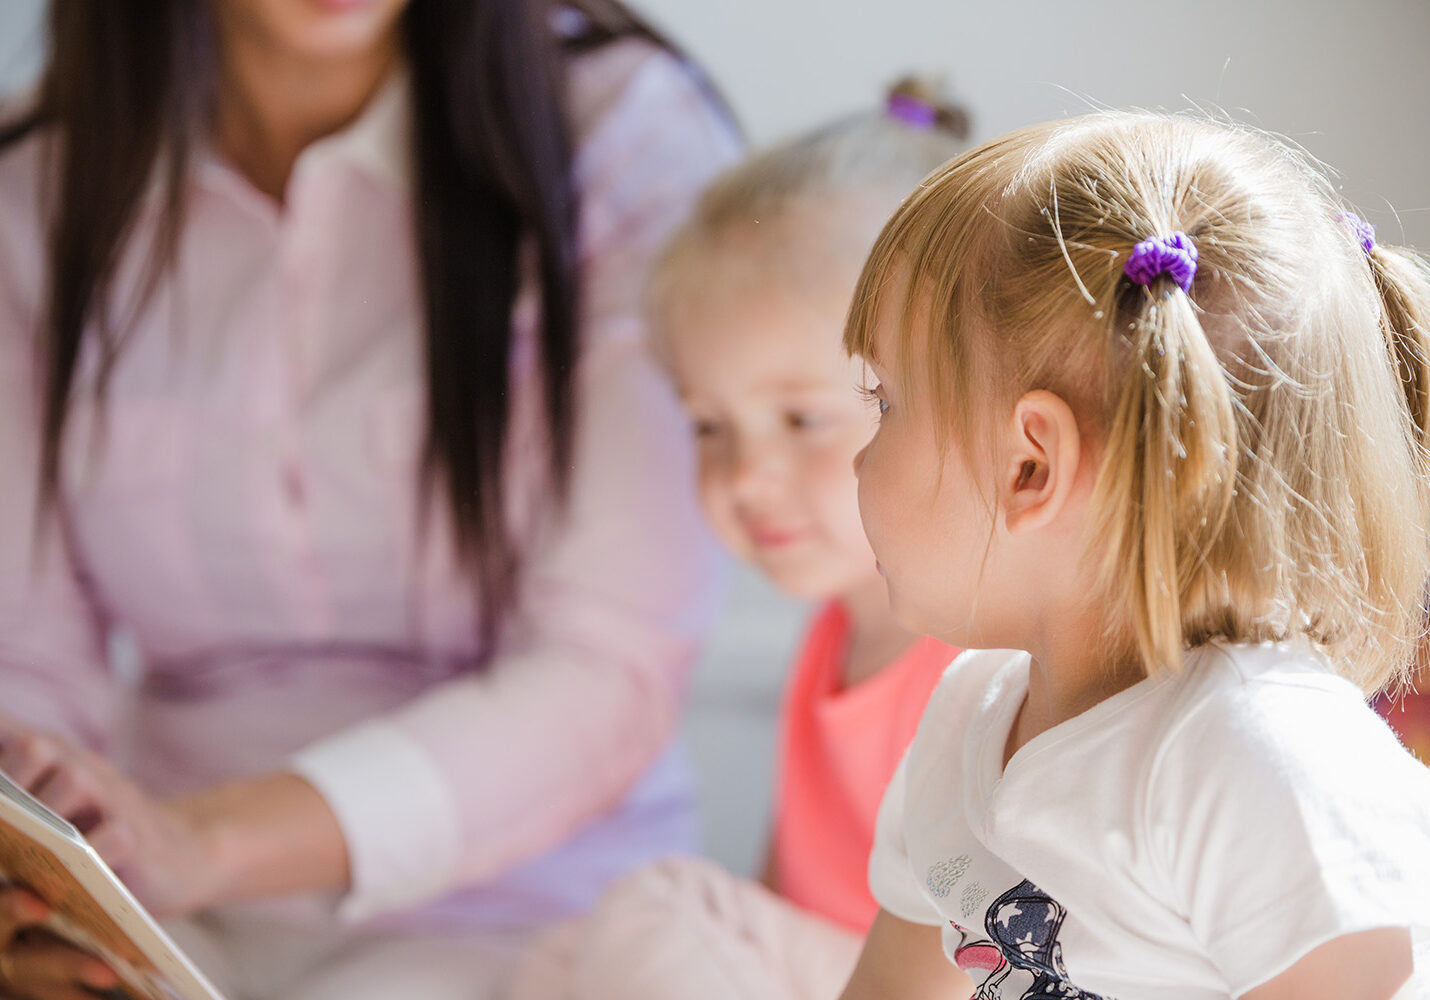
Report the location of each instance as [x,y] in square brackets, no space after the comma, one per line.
[905,961]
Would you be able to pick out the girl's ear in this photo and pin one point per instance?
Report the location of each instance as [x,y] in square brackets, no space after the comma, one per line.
[1041,467]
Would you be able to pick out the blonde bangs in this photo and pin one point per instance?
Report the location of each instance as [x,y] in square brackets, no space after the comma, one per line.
[920,277]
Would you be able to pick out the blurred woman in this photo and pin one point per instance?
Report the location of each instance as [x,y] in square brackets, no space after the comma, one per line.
[324,383]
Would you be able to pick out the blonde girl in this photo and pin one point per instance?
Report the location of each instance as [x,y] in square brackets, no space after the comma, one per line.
[1153,408]
[749,302]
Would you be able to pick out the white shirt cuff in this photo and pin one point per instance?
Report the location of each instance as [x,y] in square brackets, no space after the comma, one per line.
[396,812]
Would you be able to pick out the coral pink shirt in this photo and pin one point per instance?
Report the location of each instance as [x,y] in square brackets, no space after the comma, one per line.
[247,515]
[1409,716]
[838,749]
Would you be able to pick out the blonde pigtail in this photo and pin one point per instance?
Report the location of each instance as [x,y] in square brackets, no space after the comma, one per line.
[1403,281]
[1172,448]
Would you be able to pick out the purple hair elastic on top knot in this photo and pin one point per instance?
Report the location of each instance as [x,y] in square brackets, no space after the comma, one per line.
[1365,232]
[912,111]
[1174,256]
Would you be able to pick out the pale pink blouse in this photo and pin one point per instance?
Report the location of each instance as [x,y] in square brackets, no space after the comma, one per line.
[246,514]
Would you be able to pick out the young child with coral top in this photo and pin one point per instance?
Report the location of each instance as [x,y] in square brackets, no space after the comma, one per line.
[749,302]
[1153,441]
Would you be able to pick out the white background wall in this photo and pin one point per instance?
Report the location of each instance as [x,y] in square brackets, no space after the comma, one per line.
[1348,79]
[21,42]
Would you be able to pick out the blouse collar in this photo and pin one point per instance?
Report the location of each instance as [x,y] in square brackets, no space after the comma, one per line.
[378,143]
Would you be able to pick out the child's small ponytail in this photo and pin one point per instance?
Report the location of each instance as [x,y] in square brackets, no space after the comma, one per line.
[920,101]
[1403,280]
[1172,450]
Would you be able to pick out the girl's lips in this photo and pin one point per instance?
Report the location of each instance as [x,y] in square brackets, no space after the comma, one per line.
[774,538]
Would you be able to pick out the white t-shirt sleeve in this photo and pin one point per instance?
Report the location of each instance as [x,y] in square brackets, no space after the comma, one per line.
[891,876]
[1343,825]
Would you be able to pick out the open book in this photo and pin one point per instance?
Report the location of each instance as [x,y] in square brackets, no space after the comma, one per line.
[91,907]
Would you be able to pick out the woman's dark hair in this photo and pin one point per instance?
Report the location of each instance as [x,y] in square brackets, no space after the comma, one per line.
[128,83]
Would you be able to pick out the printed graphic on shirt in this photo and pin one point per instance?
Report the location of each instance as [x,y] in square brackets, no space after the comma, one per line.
[1017,955]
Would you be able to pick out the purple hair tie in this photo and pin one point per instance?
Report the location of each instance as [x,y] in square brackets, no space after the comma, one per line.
[1365,232]
[1174,256]
[912,111]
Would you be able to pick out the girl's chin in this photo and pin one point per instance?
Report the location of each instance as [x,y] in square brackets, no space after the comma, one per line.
[805,582]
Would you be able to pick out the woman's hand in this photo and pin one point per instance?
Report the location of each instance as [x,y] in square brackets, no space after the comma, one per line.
[268,835]
[36,965]
[156,847]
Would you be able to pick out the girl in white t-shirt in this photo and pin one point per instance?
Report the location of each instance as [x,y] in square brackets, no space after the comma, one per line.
[1153,410]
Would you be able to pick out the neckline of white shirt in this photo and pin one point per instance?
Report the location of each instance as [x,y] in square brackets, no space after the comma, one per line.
[997,710]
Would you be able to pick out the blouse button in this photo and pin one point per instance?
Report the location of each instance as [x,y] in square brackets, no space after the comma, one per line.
[293,487]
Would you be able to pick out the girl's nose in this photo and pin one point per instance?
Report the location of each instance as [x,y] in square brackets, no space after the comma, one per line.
[753,470]
[859,460]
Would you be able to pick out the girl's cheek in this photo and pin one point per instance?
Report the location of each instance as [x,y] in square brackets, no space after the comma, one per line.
[717,502]
[728,530]
[878,495]
[836,491]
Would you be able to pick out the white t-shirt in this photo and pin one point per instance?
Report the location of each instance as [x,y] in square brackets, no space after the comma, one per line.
[1188,838]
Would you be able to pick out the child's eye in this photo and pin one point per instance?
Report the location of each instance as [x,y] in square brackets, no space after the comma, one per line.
[800,421]
[705,428]
[875,396]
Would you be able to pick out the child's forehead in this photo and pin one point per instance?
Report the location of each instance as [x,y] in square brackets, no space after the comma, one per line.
[771,347]
[725,303]
[773,360]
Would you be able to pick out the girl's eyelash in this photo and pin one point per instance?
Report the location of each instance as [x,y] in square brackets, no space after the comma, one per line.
[872,396]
